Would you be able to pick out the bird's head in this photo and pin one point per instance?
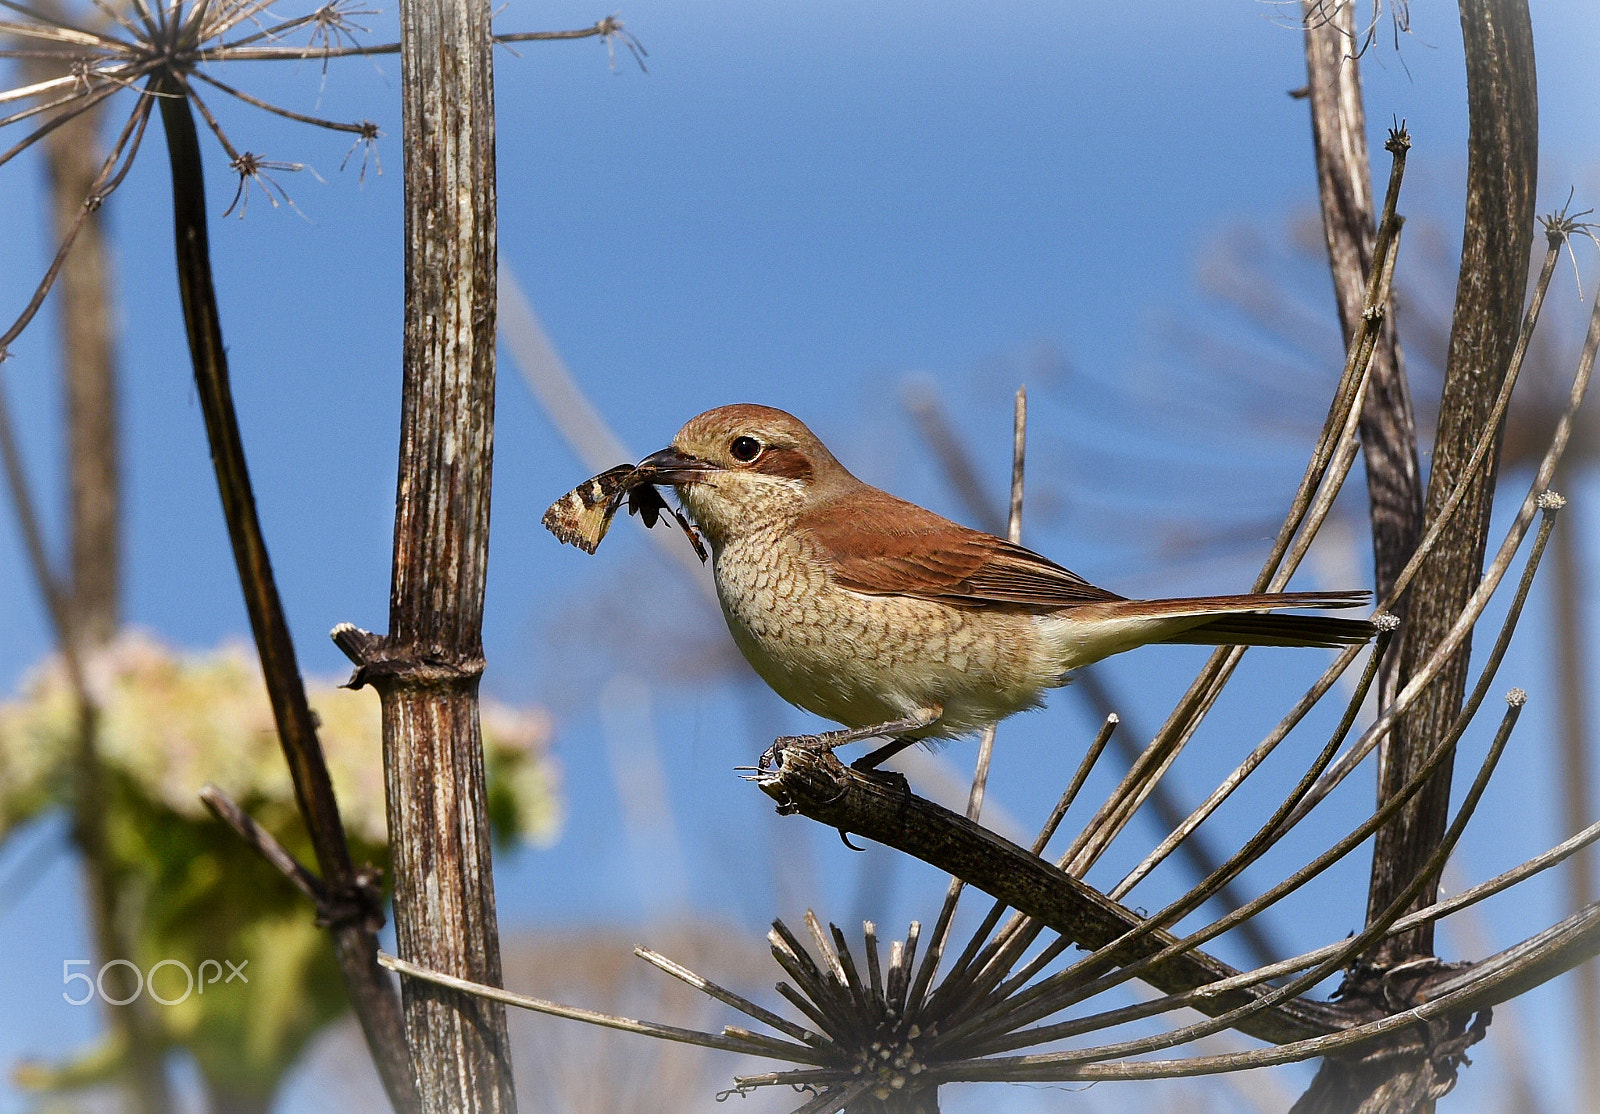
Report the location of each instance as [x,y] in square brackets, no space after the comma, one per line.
[740,467]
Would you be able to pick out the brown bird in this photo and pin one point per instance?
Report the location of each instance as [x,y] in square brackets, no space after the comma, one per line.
[898,623]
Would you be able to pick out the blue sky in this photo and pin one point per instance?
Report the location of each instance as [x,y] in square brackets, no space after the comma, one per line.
[810,206]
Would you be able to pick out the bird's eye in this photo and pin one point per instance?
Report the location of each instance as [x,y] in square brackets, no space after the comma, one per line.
[745,449]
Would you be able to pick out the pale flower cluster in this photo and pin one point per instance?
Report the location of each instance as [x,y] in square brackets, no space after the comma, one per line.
[173,721]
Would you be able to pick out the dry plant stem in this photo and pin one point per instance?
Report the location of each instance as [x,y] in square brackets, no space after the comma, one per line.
[1422,675]
[1440,909]
[838,967]
[1306,960]
[1072,984]
[1573,668]
[966,974]
[427,668]
[1349,396]
[821,983]
[956,462]
[1276,826]
[1019,446]
[266,844]
[980,776]
[1549,505]
[1019,440]
[1167,814]
[25,507]
[1251,762]
[797,961]
[1388,425]
[237,51]
[1419,683]
[1214,883]
[865,1006]
[1484,984]
[1535,961]
[1458,993]
[122,51]
[1487,438]
[1461,1002]
[1043,1065]
[940,937]
[1487,983]
[107,181]
[1069,986]
[869,933]
[287,114]
[131,1024]
[738,1002]
[798,1052]
[354,933]
[1502,155]
[73,164]
[1542,477]
[901,957]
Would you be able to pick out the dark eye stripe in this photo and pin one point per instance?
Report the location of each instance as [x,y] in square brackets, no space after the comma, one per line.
[788,463]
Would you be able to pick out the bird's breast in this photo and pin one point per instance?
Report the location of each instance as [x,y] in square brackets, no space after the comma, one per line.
[862,659]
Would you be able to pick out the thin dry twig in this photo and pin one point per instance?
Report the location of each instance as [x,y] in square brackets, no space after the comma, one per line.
[1329,464]
[157,54]
[802,1054]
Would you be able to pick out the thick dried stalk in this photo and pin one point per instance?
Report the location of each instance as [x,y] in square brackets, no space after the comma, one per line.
[1502,157]
[1344,180]
[426,670]
[1502,166]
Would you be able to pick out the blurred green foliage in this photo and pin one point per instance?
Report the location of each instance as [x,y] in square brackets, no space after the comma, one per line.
[188,889]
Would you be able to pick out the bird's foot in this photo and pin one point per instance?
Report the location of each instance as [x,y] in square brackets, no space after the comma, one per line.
[823,742]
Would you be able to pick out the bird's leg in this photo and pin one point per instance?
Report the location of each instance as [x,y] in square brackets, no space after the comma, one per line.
[873,759]
[829,740]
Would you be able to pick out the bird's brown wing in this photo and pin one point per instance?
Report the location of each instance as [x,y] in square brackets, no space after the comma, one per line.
[887,546]
[883,545]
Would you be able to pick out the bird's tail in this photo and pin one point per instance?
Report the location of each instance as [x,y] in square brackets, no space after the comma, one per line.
[1244,620]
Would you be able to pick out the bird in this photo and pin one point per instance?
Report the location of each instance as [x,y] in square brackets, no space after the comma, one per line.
[897,623]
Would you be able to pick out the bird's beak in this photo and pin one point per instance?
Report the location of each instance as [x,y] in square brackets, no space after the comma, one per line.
[670,466]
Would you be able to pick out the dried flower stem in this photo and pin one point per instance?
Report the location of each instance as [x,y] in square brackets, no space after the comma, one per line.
[1479,600]
[1335,447]
[355,939]
[1068,986]
[800,1053]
